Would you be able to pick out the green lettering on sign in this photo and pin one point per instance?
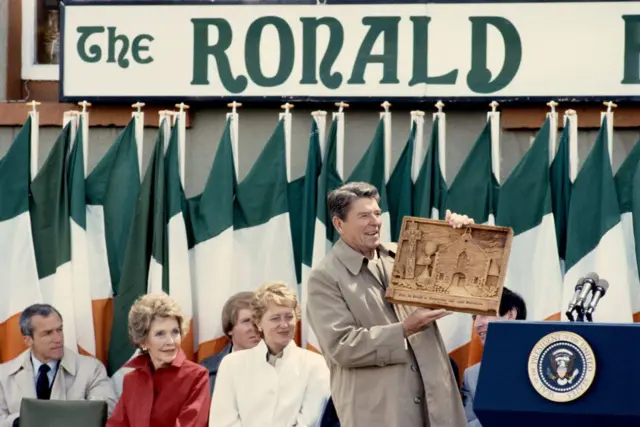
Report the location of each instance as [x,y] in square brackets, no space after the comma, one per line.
[309,49]
[202,50]
[387,26]
[252,51]
[117,45]
[479,77]
[631,67]
[95,53]
[420,72]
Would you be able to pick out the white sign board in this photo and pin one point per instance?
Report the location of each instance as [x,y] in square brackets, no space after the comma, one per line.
[342,52]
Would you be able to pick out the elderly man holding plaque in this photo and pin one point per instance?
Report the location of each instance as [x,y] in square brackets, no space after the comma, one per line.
[389,366]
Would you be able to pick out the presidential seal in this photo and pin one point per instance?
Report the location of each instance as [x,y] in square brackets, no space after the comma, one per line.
[562,366]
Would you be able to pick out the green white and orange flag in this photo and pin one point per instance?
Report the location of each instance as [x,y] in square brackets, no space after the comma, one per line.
[51,229]
[595,236]
[145,250]
[533,270]
[112,190]
[80,267]
[627,182]
[211,214]
[19,286]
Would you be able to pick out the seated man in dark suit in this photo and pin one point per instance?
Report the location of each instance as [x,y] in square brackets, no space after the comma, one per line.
[238,326]
[512,307]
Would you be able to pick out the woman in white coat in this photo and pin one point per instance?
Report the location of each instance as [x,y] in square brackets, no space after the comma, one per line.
[276,383]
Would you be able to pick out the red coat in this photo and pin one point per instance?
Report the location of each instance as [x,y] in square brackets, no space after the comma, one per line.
[175,396]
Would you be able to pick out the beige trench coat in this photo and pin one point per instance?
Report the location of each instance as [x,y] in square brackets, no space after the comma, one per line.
[78,378]
[377,377]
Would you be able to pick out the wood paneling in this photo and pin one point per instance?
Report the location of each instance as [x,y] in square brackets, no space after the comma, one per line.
[588,116]
[14,50]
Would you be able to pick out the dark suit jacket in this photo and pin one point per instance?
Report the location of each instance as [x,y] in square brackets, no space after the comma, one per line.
[212,363]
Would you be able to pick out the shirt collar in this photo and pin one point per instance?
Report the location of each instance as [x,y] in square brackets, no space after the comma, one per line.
[53,364]
[143,361]
[263,350]
[353,259]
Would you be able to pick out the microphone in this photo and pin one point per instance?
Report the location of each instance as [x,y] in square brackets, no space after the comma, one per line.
[590,281]
[600,290]
[576,294]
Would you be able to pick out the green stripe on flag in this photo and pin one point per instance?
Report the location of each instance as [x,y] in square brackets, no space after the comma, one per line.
[15,175]
[329,180]
[525,194]
[310,198]
[400,187]
[138,254]
[431,188]
[594,205]
[49,209]
[114,184]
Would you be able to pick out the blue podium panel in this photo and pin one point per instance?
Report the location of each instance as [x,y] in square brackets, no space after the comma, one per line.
[506,397]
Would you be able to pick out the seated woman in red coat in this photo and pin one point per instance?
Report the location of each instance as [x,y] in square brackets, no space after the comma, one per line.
[164,389]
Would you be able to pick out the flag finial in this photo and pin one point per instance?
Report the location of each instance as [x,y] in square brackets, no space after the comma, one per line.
[33,105]
[341,105]
[552,104]
[494,106]
[84,105]
[570,112]
[417,113]
[439,105]
[182,106]
[386,105]
[609,105]
[233,105]
[319,113]
[138,105]
[286,107]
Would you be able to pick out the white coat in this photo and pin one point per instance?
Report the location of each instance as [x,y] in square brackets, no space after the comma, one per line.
[250,392]
[78,378]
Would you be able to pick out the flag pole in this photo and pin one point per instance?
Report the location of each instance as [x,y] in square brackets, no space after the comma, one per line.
[339,116]
[287,117]
[35,132]
[494,117]
[571,119]
[84,115]
[138,123]
[442,138]
[609,115]
[417,118]
[320,116]
[235,137]
[386,117]
[553,131]
[181,118]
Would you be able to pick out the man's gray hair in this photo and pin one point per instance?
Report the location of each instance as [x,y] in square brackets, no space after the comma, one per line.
[339,200]
[44,310]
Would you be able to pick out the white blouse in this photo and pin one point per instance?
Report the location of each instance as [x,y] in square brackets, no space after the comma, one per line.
[250,392]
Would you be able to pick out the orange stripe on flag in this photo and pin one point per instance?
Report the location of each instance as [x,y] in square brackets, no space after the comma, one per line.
[187,343]
[11,339]
[209,348]
[636,317]
[102,323]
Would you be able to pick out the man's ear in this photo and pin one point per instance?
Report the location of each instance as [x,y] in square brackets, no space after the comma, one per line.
[337,224]
[28,341]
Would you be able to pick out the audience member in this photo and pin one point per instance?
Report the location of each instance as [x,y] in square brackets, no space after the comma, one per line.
[238,327]
[512,307]
[164,389]
[275,383]
[48,370]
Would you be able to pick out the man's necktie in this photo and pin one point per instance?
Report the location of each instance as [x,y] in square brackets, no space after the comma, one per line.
[42,384]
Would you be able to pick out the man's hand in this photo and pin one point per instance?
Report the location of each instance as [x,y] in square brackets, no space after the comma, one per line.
[420,319]
[456,220]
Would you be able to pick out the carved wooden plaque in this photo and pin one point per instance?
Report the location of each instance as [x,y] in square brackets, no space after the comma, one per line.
[458,269]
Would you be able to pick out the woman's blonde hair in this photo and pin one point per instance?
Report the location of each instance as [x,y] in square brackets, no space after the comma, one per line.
[149,307]
[277,293]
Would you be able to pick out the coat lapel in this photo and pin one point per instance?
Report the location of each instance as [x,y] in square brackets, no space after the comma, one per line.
[24,377]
